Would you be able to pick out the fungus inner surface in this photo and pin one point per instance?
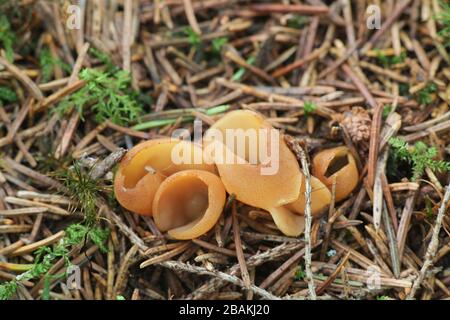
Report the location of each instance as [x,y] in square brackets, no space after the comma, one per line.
[156,159]
[183,203]
[338,162]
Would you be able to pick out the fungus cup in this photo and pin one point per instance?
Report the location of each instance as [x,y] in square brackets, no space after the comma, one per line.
[145,167]
[188,203]
[337,163]
[320,198]
[242,172]
[176,181]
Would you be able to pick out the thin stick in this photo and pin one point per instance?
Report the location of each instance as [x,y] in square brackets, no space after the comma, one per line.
[378,190]
[61,93]
[127,34]
[389,201]
[254,261]
[241,62]
[33,246]
[432,246]
[333,276]
[286,265]
[239,251]
[22,77]
[298,150]
[110,272]
[393,249]
[14,246]
[386,25]
[33,174]
[300,62]
[289,8]
[405,220]
[100,169]
[190,15]
[73,122]
[360,86]
[179,266]
[165,256]
[210,246]
[336,64]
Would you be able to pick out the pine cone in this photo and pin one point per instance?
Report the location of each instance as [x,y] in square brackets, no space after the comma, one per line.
[357,122]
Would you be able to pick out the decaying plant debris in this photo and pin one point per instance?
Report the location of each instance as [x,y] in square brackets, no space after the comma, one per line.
[71,101]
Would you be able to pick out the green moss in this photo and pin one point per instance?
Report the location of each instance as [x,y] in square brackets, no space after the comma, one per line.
[109,95]
[309,107]
[7,95]
[7,37]
[418,157]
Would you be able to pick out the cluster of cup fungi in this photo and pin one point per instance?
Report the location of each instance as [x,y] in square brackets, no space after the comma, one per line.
[187,199]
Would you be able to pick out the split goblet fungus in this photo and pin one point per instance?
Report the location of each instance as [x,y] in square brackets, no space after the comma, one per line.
[187,198]
[188,203]
[337,163]
[146,166]
[244,177]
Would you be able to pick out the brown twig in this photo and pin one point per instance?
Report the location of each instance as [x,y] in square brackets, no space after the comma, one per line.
[298,150]
[239,250]
[432,246]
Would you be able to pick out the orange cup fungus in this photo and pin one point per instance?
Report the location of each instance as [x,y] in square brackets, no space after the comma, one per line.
[337,163]
[145,167]
[242,155]
[188,203]
[246,179]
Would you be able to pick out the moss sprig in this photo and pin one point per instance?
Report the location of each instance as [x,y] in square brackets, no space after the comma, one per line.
[418,157]
[109,96]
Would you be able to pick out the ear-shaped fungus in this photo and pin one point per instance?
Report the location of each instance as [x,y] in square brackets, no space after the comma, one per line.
[337,163]
[188,203]
[145,167]
[245,178]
